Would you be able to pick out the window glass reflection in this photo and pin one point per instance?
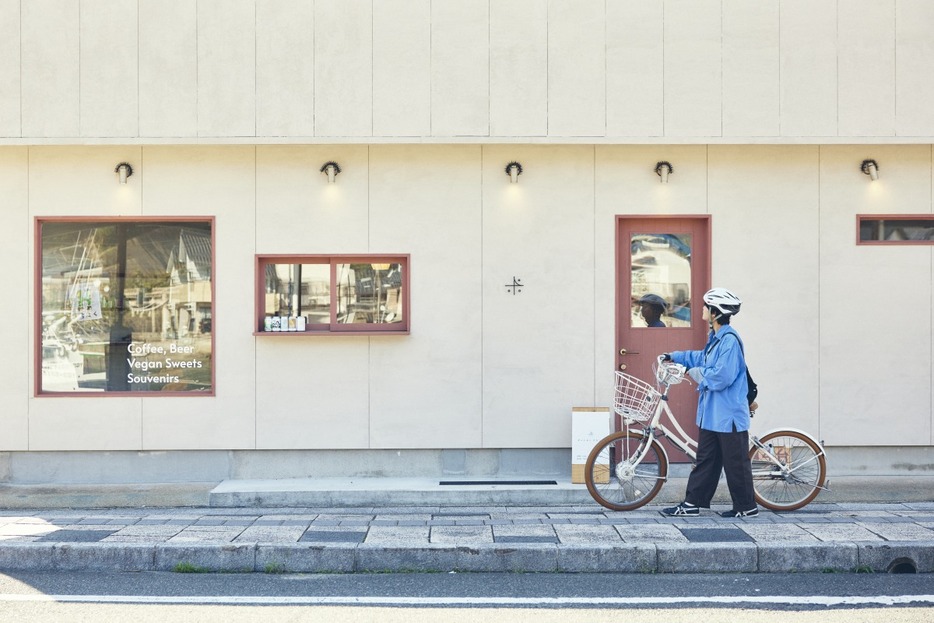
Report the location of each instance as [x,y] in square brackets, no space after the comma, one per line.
[294,290]
[661,280]
[126,306]
[896,230]
[369,293]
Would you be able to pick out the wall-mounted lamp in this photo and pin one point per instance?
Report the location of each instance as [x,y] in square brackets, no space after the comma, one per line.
[871,168]
[514,170]
[663,169]
[123,171]
[332,169]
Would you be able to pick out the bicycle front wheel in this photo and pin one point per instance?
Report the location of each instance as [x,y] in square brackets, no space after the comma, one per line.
[789,472]
[616,480]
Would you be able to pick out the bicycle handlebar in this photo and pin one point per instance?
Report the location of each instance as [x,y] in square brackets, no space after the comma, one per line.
[668,372]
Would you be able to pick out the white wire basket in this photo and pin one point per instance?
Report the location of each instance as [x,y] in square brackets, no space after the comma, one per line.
[635,399]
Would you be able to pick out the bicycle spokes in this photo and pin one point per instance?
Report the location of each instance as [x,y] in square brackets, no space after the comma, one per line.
[625,470]
[788,469]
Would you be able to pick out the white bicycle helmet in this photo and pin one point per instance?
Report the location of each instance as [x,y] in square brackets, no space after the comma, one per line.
[723,301]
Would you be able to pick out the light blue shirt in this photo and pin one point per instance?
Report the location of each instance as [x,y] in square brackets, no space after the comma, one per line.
[721,403]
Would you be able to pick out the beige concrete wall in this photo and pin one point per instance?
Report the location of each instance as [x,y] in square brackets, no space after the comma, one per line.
[698,71]
[839,336]
[15,232]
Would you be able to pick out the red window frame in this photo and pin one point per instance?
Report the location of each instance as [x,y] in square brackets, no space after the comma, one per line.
[38,392]
[334,327]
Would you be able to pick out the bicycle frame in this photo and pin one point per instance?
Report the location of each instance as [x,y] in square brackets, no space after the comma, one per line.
[684,442]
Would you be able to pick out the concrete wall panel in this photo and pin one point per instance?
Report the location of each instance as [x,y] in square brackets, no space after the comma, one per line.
[343,68]
[519,68]
[460,68]
[10,69]
[15,232]
[50,68]
[751,93]
[576,68]
[875,369]
[109,68]
[635,68]
[791,69]
[226,68]
[402,68]
[914,68]
[539,231]
[866,68]
[298,211]
[425,387]
[809,67]
[313,392]
[693,73]
[168,68]
[285,68]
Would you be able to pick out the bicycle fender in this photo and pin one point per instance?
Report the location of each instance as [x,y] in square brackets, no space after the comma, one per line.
[793,430]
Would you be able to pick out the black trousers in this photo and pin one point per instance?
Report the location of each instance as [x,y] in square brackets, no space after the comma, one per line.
[716,452]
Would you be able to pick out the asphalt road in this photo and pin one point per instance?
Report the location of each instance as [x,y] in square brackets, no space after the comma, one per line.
[162,597]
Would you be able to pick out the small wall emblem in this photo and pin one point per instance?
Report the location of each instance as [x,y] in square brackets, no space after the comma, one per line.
[515,287]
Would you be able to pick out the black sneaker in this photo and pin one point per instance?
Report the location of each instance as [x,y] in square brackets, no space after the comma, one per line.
[732,514]
[682,510]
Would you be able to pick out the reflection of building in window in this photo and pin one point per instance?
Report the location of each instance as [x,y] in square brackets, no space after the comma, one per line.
[107,284]
[189,269]
[369,293]
[895,230]
[661,265]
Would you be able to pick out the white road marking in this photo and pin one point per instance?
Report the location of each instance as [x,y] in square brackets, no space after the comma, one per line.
[793,600]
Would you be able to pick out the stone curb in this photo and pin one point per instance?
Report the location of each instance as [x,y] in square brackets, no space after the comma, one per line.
[770,557]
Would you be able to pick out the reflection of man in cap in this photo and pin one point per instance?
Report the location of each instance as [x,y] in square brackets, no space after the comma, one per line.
[653,306]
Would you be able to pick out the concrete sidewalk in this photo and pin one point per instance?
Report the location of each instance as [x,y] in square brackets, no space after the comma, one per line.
[837,536]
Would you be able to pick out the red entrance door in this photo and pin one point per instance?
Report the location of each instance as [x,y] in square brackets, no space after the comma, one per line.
[663,270]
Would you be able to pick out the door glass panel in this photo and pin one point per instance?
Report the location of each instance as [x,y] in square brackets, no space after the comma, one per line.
[661,280]
[369,293]
[294,290]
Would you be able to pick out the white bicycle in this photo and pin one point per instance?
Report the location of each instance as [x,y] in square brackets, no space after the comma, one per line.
[627,469]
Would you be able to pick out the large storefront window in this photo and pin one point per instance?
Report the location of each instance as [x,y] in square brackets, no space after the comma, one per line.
[126,306]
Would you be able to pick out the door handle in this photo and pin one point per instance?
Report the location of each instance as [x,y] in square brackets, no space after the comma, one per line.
[623,351]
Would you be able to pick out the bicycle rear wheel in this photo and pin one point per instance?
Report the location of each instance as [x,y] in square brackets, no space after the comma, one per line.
[615,480]
[791,474]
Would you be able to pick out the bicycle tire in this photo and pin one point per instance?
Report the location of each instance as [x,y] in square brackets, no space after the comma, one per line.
[618,485]
[779,491]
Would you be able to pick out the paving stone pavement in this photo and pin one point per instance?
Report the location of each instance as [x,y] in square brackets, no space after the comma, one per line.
[821,537]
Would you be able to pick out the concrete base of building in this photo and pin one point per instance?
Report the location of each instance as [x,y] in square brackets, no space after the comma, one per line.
[228,478]
[384,492]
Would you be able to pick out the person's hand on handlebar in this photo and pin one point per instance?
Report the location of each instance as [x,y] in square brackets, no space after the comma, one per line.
[665,357]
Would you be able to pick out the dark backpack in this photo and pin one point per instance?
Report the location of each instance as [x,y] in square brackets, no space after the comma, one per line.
[752,390]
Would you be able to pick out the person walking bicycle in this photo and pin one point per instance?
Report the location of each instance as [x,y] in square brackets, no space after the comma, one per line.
[722,413]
